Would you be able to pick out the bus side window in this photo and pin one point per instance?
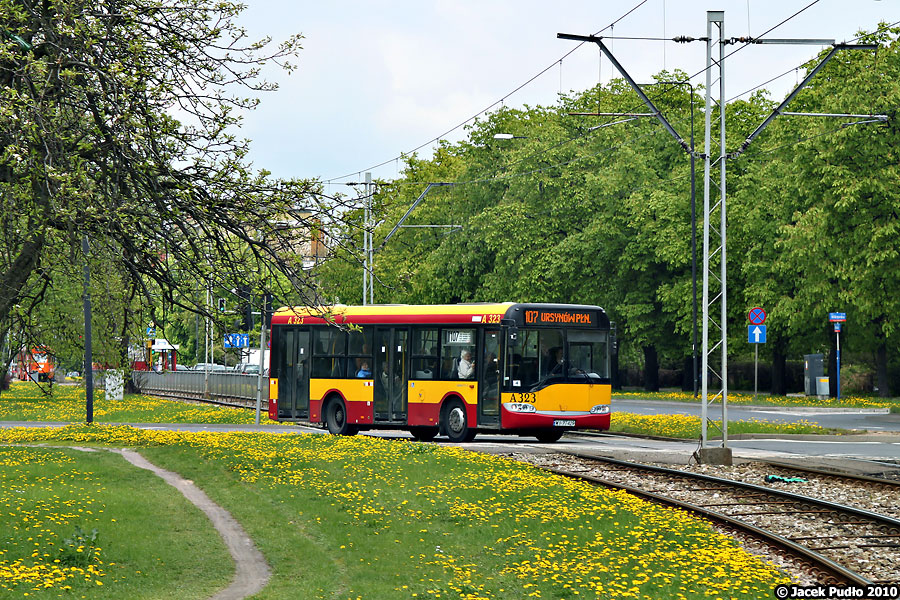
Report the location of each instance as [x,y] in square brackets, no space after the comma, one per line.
[425,353]
[331,351]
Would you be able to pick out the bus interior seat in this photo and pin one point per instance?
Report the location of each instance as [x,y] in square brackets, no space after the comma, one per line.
[454,369]
[337,371]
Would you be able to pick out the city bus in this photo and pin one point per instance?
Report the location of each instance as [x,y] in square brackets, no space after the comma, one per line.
[35,364]
[455,370]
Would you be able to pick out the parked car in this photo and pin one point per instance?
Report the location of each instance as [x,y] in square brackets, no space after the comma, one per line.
[209,367]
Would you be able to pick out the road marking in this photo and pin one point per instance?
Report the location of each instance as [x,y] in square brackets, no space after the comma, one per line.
[807,441]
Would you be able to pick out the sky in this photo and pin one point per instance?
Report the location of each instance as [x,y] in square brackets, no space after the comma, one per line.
[376,80]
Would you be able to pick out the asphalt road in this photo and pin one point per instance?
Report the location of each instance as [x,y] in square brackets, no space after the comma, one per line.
[881,444]
[867,419]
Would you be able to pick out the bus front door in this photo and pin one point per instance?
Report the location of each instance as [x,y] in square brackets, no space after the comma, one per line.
[489,380]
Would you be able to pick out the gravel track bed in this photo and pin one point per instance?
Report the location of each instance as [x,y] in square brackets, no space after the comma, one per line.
[858,554]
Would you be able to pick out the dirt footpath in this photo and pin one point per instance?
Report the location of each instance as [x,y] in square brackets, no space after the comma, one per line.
[252,571]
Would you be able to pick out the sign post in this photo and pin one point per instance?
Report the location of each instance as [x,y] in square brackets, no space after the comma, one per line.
[756,335]
[837,318]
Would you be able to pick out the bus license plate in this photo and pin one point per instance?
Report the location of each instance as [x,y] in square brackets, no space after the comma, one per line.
[564,423]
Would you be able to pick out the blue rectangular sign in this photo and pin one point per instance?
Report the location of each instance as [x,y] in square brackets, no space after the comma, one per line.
[237,340]
[756,334]
[837,317]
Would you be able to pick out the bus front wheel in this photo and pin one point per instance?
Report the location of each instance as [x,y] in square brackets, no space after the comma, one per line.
[456,423]
[336,418]
[548,436]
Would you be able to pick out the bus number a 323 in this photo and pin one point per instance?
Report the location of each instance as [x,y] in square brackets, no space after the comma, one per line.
[524,397]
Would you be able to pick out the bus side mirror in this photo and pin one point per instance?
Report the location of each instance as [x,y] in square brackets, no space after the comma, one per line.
[512,336]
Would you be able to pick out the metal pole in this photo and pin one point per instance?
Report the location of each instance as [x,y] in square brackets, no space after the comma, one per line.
[755,370]
[693,250]
[365,273]
[371,250]
[723,215]
[838,333]
[262,362]
[88,350]
[208,332]
[707,149]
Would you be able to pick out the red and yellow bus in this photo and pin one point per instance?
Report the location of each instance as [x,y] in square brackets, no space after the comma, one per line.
[527,369]
[35,364]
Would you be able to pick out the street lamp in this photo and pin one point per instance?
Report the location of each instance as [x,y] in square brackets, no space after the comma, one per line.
[693,238]
[509,136]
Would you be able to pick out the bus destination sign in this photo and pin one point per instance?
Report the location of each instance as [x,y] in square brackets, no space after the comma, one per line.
[577,318]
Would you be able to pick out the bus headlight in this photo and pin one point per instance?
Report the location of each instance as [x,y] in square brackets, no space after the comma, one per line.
[600,409]
[520,407]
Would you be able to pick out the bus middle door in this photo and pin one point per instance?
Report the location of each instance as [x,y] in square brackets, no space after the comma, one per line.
[391,376]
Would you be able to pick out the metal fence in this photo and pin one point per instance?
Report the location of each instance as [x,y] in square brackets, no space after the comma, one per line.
[227,388]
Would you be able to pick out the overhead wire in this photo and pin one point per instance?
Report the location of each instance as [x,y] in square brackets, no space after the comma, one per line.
[671,87]
[661,94]
[490,106]
[543,151]
[543,71]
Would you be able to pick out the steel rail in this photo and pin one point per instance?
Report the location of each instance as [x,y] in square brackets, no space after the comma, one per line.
[883,520]
[820,564]
[832,473]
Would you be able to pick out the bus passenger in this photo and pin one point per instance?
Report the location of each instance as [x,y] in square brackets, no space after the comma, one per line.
[466,365]
[364,370]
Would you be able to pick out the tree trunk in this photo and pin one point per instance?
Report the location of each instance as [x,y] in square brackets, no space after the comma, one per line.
[687,374]
[881,371]
[651,369]
[16,276]
[615,380]
[779,370]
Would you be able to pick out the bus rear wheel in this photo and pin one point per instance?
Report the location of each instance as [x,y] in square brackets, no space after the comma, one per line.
[549,436]
[336,418]
[456,423]
[424,434]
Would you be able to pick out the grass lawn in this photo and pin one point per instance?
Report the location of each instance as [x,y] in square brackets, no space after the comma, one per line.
[362,517]
[688,427]
[766,400]
[24,401]
[89,525]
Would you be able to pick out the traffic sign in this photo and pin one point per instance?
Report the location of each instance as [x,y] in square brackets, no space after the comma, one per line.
[237,340]
[837,317]
[837,326]
[756,334]
[757,316]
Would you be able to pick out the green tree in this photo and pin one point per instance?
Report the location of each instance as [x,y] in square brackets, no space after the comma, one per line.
[117,123]
[838,214]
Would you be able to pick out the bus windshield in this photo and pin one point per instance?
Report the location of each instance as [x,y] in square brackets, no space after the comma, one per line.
[546,356]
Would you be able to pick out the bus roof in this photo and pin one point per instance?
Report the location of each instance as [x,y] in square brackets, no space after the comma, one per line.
[486,313]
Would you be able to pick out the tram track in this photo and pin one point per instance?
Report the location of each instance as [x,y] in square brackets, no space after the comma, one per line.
[821,541]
